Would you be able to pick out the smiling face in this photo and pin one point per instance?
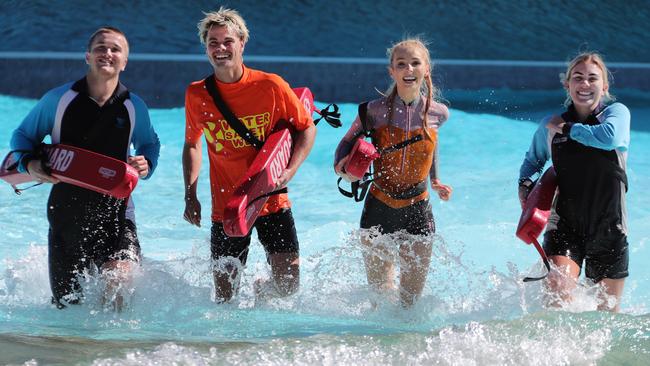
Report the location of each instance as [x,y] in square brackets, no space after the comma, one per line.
[409,66]
[224,49]
[586,85]
[107,54]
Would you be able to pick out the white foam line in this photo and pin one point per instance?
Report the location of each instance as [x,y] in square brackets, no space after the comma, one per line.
[306,59]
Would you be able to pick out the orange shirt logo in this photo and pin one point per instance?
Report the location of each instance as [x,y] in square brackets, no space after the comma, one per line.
[220,132]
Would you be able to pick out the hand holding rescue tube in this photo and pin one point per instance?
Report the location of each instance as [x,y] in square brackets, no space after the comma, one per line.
[76,166]
[358,162]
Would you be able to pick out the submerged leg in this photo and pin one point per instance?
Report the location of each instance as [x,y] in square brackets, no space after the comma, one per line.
[226,274]
[277,234]
[285,269]
[613,288]
[415,259]
[562,280]
[118,276]
[380,269]
[64,267]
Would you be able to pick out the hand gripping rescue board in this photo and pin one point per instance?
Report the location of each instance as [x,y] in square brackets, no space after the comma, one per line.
[79,167]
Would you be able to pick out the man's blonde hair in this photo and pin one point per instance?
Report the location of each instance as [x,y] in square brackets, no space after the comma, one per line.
[223,18]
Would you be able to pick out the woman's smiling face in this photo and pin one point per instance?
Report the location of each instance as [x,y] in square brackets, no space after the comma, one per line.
[586,85]
[408,67]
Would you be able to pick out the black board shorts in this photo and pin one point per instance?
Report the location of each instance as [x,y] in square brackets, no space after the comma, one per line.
[605,254]
[86,228]
[276,232]
[416,219]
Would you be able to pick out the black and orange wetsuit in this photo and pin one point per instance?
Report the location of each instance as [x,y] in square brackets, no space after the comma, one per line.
[400,175]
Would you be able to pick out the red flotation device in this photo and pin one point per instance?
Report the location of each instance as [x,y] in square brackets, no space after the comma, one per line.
[79,167]
[361,156]
[260,179]
[259,182]
[535,215]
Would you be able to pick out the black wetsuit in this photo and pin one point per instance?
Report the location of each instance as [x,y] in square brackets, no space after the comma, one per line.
[589,205]
[87,228]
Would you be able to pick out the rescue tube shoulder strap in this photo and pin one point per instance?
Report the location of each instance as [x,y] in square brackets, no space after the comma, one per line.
[233,121]
[368,132]
[363,115]
[359,189]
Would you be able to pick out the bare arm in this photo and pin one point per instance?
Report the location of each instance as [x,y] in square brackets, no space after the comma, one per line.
[304,142]
[444,191]
[191,168]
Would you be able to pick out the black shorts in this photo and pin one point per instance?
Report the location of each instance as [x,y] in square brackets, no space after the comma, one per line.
[86,229]
[416,219]
[605,255]
[276,232]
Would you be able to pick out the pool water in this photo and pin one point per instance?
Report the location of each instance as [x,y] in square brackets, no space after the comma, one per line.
[474,310]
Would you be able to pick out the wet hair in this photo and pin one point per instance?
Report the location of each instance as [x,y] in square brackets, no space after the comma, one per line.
[106,29]
[223,17]
[584,57]
[427,88]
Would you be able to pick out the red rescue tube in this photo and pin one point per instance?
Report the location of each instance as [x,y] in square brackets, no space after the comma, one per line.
[535,216]
[249,198]
[538,208]
[361,156]
[82,168]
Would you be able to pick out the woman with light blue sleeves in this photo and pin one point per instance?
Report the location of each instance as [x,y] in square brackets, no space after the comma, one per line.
[588,147]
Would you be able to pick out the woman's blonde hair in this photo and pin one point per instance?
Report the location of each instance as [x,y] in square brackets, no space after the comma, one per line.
[223,18]
[427,88]
[584,57]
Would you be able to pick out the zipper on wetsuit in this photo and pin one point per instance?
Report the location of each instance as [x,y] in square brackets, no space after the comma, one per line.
[406,132]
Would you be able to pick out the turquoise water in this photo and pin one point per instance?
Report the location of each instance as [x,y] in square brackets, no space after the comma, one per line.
[474,311]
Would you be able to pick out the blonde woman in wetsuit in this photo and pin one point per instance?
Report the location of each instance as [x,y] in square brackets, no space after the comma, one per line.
[398,200]
[587,145]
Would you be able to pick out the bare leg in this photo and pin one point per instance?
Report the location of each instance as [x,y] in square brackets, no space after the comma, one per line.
[226,278]
[380,270]
[118,277]
[285,269]
[613,287]
[414,266]
[562,282]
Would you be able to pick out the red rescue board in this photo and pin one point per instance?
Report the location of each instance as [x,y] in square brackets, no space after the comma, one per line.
[307,99]
[82,168]
[247,201]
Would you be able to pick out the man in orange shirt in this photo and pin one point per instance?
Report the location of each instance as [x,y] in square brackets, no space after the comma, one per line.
[259,100]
